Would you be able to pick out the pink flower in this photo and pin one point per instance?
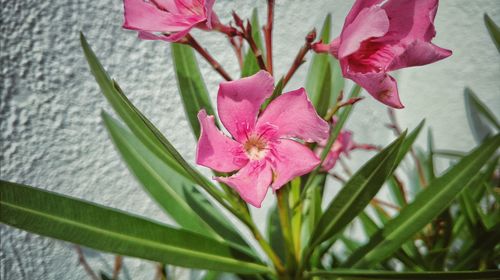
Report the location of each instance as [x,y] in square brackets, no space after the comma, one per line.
[382,36]
[263,148]
[168,20]
[343,145]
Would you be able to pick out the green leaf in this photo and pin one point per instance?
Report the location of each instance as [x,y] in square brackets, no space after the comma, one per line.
[320,72]
[142,127]
[356,193]
[493,29]
[158,179]
[110,230]
[374,274]
[137,123]
[477,115]
[174,193]
[192,89]
[428,204]
[334,133]
[275,233]
[250,64]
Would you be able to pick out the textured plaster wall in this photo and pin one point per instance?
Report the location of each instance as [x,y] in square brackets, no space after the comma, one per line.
[52,134]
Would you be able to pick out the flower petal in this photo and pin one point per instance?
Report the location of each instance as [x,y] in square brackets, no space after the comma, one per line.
[251,182]
[215,150]
[411,20]
[370,23]
[295,116]
[238,102]
[357,7]
[380,85]
[292,159]
[173,37]
[416,54]
[142,15]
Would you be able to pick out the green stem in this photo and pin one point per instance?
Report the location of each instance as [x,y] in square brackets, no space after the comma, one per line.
[284,213]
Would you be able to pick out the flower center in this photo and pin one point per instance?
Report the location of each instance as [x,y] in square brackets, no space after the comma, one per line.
[255,148]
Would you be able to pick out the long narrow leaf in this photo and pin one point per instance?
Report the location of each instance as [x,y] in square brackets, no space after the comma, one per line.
[477,114]
[374,274]
[110,230]
[125,109]
[192,89]
[493,29]
[162,183]
[174,193]
[142,127]
[428,204]
[356,193]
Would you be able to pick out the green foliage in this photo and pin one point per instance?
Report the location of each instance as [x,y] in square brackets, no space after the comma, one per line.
[428,204]
[324,79]
[192,89]
[493,29]
[114,231]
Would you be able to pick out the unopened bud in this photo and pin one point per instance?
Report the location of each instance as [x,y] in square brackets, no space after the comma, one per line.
[311,36]
[237,20]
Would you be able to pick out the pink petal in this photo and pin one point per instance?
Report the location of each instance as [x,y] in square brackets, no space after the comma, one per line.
[174,37]
[370,23]
[141,15]
[418,53]
[292,159]
[238,102]
[411,19]
[251,182]
[357,7]
[215,150]
[209,14]
[295,116]
[380,85]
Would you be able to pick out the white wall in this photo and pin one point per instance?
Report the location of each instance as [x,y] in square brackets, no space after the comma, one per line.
[52,135]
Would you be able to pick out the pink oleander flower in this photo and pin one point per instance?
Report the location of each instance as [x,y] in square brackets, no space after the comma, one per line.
[343,145]
[382,36]
[168,20]
[263,149]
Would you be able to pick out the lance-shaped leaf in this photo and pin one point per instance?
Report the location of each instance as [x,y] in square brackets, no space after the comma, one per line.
[142,127]
[250,64]
[427,205]
[137,123]
[174,193]
[324,79]
[191,86]
[386,275]
[480,118]
[493,29]
[356,193]
[160,181]
[114,231]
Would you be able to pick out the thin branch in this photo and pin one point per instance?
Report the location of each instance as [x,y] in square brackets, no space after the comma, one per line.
[268,33]
[161,273]
[381,202]
[397,130]
[247,34]
[299,59]
[117,267]
[189,40]
[83,262]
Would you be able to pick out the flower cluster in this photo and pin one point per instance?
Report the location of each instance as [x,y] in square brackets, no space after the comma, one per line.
[269,147]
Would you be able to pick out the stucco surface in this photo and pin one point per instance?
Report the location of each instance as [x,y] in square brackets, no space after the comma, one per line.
[52,135]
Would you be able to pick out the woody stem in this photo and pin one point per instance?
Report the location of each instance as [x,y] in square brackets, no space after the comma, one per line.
[299,59]
[216,65]
[268,33]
